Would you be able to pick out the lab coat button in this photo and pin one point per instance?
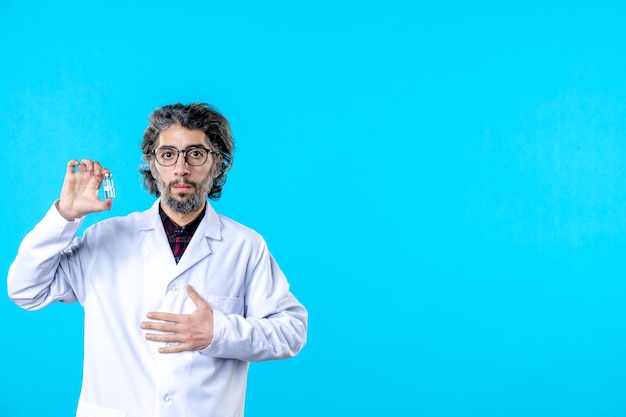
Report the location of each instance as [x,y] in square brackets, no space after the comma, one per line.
[167,399]
[174,289]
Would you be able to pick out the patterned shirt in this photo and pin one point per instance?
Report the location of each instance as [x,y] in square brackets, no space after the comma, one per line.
[179,236]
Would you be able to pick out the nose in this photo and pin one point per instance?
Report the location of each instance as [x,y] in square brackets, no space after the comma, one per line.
[181,168]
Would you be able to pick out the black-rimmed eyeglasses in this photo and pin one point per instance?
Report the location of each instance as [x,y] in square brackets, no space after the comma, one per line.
[194,155]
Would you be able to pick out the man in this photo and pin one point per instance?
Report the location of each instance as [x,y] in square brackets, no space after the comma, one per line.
[178,299]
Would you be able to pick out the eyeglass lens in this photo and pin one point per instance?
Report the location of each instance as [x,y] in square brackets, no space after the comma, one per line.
[168,156]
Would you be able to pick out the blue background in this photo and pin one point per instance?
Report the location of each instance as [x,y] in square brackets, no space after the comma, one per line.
[443,183]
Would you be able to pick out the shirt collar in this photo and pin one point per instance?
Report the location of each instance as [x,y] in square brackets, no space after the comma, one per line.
[189,229]
[150,220]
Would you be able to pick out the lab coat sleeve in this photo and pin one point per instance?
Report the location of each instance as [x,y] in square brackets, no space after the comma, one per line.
[274,324]
[36,276]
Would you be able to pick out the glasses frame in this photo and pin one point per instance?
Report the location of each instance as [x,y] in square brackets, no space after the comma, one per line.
[184,152]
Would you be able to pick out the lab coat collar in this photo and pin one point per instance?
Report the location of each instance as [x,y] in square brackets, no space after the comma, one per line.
[210,225]
[198,248]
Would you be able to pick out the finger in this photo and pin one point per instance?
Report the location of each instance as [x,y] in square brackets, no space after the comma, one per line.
[71,166]
[102,205]
[157,325]
[174,348]
[161,337]
[159,315]
[107,204]
[86,165]
[93,167]
[97,169]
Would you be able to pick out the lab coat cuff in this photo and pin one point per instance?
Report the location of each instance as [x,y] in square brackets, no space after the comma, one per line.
[219,334]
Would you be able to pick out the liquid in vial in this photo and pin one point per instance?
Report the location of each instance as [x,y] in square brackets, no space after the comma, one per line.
[109,188]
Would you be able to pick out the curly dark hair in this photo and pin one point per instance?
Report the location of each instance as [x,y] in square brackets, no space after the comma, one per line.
[201,116]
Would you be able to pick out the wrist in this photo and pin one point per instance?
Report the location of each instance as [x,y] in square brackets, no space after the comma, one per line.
[66,214]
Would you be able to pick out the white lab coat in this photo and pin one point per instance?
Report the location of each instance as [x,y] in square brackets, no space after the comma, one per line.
[123,268]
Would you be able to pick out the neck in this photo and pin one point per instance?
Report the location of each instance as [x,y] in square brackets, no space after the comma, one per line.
[181,219]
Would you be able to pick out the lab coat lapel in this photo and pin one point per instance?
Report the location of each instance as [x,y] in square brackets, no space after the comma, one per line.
[197,250]
[199,247]
[158,249]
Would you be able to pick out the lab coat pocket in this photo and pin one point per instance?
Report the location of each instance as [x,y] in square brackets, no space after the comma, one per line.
[227,305]
[92,410]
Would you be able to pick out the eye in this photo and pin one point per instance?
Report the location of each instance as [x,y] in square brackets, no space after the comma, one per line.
[166,154]
[196,153]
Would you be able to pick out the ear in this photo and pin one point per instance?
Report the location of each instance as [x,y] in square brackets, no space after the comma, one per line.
[218,166]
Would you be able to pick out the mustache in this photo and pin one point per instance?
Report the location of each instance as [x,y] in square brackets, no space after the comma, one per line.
[184,181]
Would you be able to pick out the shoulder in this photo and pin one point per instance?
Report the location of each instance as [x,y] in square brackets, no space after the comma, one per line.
[120,225]
[232,229]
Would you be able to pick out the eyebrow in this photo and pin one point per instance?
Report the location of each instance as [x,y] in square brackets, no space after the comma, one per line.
[188,147]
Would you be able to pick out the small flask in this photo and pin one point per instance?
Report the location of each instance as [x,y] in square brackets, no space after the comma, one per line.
[109,188]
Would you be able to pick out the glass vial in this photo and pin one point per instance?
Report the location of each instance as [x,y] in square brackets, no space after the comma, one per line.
[109,188]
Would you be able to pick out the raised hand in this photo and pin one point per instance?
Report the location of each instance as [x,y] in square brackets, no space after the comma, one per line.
[79,195]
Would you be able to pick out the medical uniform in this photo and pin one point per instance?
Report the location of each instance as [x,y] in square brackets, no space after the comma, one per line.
[122,268]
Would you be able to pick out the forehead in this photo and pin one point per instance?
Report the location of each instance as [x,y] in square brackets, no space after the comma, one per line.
[181,137]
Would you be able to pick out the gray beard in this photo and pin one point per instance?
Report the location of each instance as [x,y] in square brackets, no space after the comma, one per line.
[189,204]
[186,206]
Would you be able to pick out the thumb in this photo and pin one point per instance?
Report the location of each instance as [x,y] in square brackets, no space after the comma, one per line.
[195,297]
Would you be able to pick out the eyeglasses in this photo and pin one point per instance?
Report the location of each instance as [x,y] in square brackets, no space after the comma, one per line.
[194,155]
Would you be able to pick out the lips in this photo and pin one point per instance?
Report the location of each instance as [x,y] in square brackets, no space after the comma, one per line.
[181,187]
